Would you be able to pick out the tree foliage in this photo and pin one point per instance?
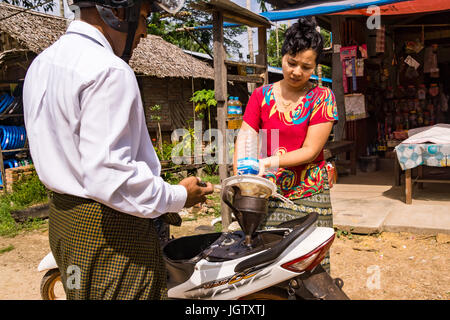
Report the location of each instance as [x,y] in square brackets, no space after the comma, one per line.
[274,51]
[326,35]
[165,27]
[274,59]
[37,4]
[262,5]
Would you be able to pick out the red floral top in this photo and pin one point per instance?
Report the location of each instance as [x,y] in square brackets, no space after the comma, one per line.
[318,106]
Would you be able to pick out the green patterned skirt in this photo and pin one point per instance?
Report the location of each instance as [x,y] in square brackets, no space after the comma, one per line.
[321,203]
[105,254]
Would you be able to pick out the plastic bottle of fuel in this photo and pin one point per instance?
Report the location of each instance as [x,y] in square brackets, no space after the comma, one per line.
[247,157]
[231,107]
[238,106]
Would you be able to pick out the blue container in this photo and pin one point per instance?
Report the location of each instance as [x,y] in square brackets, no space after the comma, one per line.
[247,165]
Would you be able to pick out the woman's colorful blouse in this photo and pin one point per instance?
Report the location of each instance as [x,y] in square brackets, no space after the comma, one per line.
[318,106]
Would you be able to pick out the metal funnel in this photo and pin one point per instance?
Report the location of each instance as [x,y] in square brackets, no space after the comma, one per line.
[250,201]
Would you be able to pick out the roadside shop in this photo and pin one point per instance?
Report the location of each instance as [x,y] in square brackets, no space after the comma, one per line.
[396,84]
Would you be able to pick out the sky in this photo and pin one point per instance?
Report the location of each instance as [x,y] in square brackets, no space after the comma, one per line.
[243,39]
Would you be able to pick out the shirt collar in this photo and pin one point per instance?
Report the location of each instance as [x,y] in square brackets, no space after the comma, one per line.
[85,28]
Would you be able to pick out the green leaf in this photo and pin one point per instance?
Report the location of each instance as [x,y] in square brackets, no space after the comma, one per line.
[6,249]
[211,102]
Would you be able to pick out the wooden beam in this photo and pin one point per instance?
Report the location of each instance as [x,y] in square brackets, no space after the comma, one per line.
[220,90]
[232,12]
[261,58]
[337,86]
[245,64]
[220,71]
[248,79]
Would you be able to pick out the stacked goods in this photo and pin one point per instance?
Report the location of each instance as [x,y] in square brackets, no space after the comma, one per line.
[15,174]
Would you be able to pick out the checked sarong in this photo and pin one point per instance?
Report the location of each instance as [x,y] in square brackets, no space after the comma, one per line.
[103,253]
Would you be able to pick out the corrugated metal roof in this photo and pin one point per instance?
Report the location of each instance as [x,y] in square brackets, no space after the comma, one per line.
[408,7]
[320,8]
[290,4]
[313,8]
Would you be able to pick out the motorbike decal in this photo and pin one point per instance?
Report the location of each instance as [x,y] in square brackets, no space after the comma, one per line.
[211,288]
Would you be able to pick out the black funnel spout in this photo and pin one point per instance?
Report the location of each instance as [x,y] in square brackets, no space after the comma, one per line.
[249,212]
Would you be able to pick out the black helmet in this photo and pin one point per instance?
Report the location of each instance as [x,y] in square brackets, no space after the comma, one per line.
[132,10]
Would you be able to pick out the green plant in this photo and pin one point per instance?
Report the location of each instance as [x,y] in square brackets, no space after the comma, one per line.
[28,191]
[214,179]
[154,116]
[218,227]
[171,178]
[211,169]
[204,99]
[186,148]
[165,152]
[7,249]
[343,233]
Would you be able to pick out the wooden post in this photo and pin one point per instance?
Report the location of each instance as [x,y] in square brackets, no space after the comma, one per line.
[262,51]
[220,90]
[420,174]
[408,186]
[338,87]
[250,37]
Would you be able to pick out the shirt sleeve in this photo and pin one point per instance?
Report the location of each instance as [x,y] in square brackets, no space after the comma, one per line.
[120,167]
[252,114]
[325,108]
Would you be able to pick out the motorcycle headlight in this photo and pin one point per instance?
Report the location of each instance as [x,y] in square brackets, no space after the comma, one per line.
[171,6]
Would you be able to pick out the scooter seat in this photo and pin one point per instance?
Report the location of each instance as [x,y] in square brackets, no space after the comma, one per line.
[180,256]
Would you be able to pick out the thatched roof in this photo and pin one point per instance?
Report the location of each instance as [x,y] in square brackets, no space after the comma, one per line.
[36,31]
[15,56]
[33,30]
[159,58]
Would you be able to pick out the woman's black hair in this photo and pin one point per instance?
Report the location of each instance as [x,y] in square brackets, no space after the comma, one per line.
[303,35]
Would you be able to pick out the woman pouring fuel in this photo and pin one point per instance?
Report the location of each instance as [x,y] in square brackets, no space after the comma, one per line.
[297,118]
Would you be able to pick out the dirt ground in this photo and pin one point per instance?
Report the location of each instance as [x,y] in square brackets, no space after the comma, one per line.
[388,266]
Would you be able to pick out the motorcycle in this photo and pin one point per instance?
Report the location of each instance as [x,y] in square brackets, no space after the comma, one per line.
[276,264]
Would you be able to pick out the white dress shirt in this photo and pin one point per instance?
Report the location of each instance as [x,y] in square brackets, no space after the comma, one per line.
[86,127]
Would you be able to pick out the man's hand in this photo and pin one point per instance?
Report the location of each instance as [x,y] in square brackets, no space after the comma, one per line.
[195,192]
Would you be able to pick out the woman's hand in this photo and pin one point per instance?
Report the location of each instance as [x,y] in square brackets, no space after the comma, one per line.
[268,163]
[315,140]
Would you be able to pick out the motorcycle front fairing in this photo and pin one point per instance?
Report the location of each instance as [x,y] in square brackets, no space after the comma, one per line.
[217,280]
[47,263]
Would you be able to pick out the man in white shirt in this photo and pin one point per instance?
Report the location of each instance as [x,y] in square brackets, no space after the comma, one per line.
[90,146]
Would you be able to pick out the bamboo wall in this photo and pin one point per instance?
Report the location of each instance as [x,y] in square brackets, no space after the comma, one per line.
[173,95]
